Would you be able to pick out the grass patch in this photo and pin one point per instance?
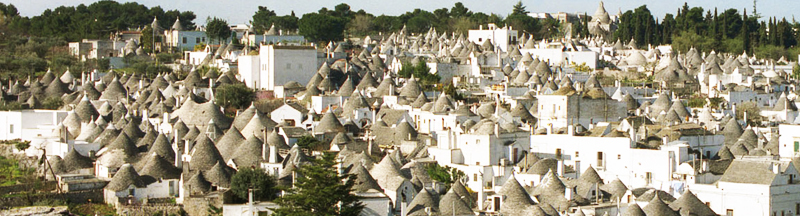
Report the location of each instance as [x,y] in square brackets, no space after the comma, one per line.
[10,172]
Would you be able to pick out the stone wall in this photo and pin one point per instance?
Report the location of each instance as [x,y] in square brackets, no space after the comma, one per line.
[151,209]
[47,186]
[199,205]
[78,197]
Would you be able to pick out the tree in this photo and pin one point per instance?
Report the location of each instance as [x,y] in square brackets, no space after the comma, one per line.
[463,25]
[753,113]
[524,23]
[458,10]
[320,189]
[247,178]
[384,23]
[519,9]
[309,142]
[321,27]
[262,19]
[361,25]
[218,29]
[236,96]
[420,71]
[796,70]
[447,175]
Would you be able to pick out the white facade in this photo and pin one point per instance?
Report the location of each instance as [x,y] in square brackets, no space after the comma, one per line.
[275,65]
[500,37]
[778,194]
[159,189]
[613,157]
[558,56]
[789,141]
[29,124]
[558,111]
[289,114]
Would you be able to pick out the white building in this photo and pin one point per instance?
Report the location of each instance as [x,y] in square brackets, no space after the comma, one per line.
[276,65]
[789,141]
[96,49]
[614,157]
[500,37]
[291,113]
[753,186]
[29,124]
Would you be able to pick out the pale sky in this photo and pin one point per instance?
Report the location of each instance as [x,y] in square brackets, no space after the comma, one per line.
[241,11]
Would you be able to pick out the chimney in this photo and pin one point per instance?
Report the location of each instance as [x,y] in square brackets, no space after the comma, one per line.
[265,150]
[664,140]
[704,166]
[560,168]
[568,194]
[403,209]
[177,153]
[571,130]
[776,168]
[166,117]
[496,129]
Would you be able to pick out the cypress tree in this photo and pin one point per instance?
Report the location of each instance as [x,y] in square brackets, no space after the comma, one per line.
[745,33]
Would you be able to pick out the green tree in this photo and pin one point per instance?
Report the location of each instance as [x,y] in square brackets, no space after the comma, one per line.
[236,96]
[309,142]
[796,70]
[458,10]
[218,29]
[420,71]
[384,23]
[321,28]
[524,23]
[320,190]
[262,19]
[447,175]
[255,178]
[519,9]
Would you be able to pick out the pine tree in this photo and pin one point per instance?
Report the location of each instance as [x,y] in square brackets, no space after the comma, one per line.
[519,9]
[320,190]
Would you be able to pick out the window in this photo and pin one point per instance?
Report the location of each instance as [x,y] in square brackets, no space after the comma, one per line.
[600,159]
[797,208]
[11,128]
[288,66]
[576,154]
[475,177]
[619,157]
[796,146]
[204,39]
[132,192]
[648,177]
[184,39]
[197,40]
